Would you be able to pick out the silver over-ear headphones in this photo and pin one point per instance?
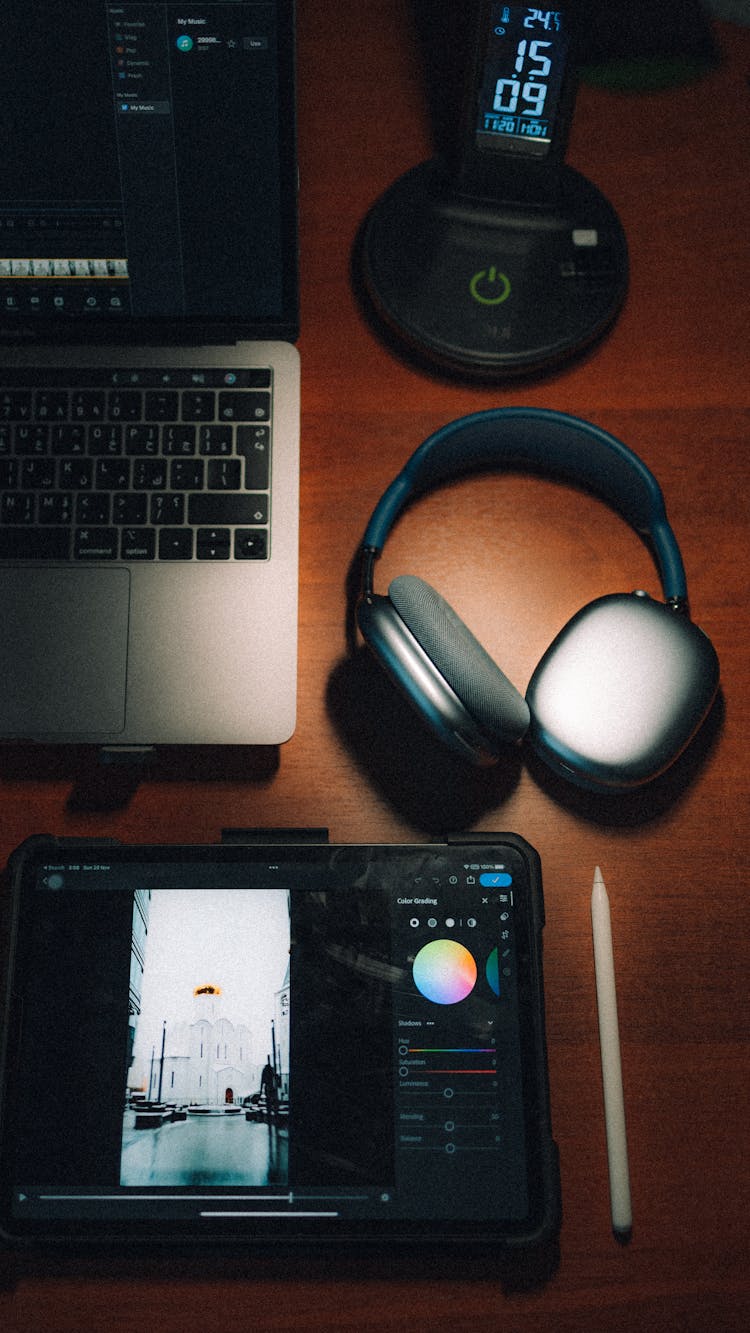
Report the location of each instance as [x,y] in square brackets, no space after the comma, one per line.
[624,686]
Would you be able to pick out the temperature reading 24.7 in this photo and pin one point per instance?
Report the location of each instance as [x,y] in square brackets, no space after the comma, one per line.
[522,78]
[549,19]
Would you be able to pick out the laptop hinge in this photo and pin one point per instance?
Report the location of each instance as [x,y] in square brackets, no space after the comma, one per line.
[126,754]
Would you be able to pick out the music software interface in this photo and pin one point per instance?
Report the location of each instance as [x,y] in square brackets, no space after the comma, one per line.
[140,167]
[323,1044]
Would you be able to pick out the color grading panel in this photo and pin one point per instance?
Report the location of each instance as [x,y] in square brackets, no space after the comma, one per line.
[457,1076]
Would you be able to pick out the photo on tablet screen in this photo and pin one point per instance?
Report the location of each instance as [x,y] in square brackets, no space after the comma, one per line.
[207,1097]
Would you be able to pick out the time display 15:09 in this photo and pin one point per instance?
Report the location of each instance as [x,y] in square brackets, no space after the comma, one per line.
[525,47]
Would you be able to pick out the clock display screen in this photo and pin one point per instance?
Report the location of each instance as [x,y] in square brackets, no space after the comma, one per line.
[521,79]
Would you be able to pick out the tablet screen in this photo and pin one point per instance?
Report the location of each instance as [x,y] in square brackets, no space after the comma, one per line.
[276,1041]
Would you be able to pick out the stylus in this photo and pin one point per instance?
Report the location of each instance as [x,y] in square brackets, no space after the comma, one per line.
[609,1041]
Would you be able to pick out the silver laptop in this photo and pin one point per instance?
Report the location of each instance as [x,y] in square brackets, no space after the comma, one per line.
[149,385]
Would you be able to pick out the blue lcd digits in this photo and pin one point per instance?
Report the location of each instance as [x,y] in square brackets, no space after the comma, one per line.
[522,79]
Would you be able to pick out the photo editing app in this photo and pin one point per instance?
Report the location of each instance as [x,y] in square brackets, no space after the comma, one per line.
[457,1059]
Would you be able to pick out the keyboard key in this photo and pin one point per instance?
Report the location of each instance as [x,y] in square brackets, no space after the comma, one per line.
[176,544]
[92,507]
[224,474]
[244,406]
[95,543]
[178,440]
[34,543]
[186,474]
[250,544]
[167,508]
[216,440]
[15,406]
[70,438]
[87,405]
[161,405]
[112,474]
[253,444]
[8,473]
[198,405]
[142,439]
[77,473]
[17,507]
[149,474]
[104,441]
[51,405]
[56,507]
[31,439]
[219,510]
[130,509]
[38,473]
[138,544]
[125,405]
[213,544]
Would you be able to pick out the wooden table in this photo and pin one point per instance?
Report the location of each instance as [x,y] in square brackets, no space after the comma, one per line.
[516,556]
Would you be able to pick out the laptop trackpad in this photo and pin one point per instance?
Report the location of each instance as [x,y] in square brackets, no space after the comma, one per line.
[63,651]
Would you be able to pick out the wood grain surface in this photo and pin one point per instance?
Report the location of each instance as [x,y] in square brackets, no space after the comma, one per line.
[516,556]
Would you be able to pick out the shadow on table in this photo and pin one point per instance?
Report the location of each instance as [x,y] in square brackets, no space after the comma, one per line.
[526,1270]
[101,786]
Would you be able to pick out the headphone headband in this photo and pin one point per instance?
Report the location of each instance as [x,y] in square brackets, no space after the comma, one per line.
[538,439]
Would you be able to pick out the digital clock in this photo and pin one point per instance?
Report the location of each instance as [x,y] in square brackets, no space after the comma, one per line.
[521,79]
[518,103]
[496,258]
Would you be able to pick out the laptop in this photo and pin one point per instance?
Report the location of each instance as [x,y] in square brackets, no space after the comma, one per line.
[149,382]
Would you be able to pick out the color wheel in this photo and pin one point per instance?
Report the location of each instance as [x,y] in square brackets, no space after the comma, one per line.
[444,972]
[492,971]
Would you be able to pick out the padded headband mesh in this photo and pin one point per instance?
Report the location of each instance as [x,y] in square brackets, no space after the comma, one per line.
[553,443]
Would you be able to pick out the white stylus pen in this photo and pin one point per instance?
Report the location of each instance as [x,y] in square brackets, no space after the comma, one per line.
[609,1041]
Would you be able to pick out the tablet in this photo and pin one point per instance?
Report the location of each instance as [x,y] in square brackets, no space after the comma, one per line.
[276,1039]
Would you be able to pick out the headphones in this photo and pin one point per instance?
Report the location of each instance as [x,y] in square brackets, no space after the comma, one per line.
[626,683]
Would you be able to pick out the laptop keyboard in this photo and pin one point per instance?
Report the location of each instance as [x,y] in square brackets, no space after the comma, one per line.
[148,464]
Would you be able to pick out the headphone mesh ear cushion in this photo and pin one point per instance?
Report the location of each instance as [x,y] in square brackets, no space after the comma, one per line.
[467,667]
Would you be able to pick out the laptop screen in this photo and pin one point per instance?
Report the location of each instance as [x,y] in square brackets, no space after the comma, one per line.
[148,168]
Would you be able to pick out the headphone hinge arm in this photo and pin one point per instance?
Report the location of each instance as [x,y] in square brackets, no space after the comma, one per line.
[369,555]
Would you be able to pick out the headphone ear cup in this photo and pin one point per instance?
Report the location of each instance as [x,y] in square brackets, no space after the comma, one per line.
[494,703]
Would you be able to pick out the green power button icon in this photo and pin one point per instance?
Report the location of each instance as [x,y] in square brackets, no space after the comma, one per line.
[489,286]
